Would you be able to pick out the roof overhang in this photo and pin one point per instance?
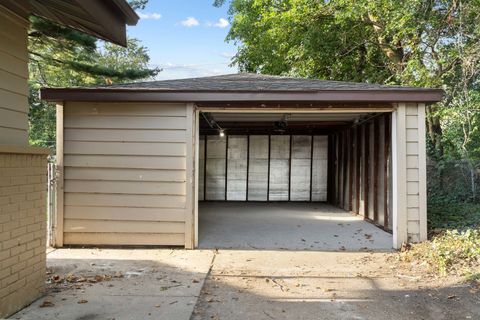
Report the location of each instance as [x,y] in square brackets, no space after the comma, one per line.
[106,19]
[112,95]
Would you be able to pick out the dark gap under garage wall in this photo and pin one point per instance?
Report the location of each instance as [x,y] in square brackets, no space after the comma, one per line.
[263,168]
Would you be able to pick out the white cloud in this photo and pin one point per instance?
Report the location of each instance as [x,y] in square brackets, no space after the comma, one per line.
[221,23]
[190,22]
[149,15]
[179,71]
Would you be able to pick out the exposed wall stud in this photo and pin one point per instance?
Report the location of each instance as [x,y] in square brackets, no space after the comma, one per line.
[358,155]
[387,137]
[311,167]
[268,169]
[248,165]
[226,166]
[376,167]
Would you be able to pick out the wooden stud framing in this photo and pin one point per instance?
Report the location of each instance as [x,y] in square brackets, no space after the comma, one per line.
[366,171]
[345,167]
[268,168]
[311,166]
[226,166]
[399,177]
[376,154]
[205,169]
[290,169]
[59,207]
[248,166]
[351,149]
[358,147]
[385,170]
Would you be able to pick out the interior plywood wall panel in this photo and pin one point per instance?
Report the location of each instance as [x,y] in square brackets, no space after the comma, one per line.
[267,168]
[279,168]
[237,168]
[300,168]
[319,168]
[215,168]
[201,168]
[258,168]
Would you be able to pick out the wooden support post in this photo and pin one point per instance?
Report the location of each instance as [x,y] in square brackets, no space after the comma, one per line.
[226,166]
[346,136]
[59,206]
[376,167]
[311,167]
[366,171]
[386,162]
[351,149]
[358,155]
[268,168]
[290,169]
[205,169]
[248,166]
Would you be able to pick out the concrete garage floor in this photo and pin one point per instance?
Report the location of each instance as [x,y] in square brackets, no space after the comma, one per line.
[286,226]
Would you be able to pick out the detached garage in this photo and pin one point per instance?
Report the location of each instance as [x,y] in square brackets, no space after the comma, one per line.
[207,161]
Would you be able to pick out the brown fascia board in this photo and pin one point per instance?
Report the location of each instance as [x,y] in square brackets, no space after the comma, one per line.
[133,95]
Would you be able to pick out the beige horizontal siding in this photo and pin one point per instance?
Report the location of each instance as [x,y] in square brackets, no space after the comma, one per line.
[139,239]
[13,80]
[124,122]
[124,200]
[76,225]
[126,109]
[122,135]
[124,173]
[128,162]
[125,148]
[124,213]
[111,174]
[125,187]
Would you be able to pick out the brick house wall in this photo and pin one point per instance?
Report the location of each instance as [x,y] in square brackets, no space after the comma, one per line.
[22,229]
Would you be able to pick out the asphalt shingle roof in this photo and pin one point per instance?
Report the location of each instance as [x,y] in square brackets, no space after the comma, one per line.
[252,82]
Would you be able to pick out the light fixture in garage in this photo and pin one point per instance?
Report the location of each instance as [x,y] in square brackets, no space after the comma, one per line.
[221,133]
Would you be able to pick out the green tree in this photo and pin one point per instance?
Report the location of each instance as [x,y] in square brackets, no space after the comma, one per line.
[416,42]
[62,57]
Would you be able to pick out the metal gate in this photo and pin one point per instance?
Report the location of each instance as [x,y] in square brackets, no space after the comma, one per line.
[51,187]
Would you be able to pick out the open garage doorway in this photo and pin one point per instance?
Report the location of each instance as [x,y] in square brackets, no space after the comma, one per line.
[294,180]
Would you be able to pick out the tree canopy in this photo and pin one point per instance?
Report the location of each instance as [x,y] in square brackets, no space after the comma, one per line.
[430,43]
[63,57]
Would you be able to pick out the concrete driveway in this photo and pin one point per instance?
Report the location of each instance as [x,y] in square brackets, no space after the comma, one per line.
[243,284]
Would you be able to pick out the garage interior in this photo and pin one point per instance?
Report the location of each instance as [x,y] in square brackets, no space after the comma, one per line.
[301,179]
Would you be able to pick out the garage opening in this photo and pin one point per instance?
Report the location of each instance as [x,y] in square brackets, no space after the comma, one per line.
[295,180]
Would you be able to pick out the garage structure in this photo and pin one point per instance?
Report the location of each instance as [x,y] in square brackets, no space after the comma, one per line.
[134,160]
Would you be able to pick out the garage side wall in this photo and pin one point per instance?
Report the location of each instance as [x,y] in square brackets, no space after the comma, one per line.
[124,174]
[410,181]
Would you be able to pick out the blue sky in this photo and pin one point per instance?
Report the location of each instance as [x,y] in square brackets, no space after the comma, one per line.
[185,37]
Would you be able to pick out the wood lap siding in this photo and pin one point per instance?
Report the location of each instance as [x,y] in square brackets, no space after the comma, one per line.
[13,80]
[125,173]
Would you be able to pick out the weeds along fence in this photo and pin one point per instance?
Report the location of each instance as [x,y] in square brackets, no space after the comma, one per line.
[453,180]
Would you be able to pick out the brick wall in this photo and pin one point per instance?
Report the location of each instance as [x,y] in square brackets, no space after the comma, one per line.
[22,230]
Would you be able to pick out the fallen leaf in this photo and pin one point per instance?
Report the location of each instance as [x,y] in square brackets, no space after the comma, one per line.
[46,304]
[82,301]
